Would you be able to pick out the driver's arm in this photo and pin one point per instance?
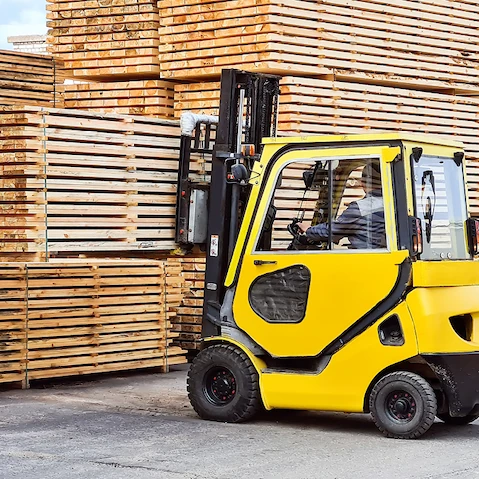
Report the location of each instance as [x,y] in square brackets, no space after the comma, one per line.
[345,225]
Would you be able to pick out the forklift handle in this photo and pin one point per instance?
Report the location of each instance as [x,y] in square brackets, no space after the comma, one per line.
[260,262]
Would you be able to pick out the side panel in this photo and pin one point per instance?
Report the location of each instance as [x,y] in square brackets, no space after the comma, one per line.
[342,386]
[343,288]
[432,309]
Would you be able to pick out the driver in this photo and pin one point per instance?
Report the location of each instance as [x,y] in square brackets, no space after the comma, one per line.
[362,222]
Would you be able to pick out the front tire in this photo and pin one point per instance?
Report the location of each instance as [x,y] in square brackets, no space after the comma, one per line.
[457,421]
[403,405]
[223,385]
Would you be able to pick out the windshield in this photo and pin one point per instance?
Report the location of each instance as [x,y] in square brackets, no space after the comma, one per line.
[441,207]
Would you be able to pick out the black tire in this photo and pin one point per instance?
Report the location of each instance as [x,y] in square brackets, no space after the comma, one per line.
[457,421]
[403,405]
[223,385]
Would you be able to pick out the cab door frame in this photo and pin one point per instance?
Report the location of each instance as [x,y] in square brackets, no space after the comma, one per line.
[242,309]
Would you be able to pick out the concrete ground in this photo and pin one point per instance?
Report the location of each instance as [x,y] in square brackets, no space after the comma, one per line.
[141,426]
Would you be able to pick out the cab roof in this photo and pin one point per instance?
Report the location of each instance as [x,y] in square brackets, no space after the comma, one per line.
[369,138]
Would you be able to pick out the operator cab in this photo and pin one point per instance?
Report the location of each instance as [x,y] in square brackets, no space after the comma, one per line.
[413,208]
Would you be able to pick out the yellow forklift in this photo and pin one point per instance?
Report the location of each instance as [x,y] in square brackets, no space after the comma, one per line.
[340,270]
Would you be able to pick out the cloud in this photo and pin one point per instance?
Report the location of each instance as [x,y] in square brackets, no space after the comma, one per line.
[26,17]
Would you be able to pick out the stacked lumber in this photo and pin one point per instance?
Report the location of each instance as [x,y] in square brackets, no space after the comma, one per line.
[28,79]
[13,336]
[199,38]
[430,45]
[105,40]
[90,317]
[189,314]
[85,317]
[141,97]
[311,106]
[76,182]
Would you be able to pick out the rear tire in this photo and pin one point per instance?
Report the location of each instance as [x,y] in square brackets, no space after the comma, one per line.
[223,385]
[457,421]
[403,405]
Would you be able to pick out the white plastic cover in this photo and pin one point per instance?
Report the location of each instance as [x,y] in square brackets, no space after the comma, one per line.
[189,121]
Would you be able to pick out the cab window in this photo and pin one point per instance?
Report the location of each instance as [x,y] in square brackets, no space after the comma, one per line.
[441,207]
[341,200]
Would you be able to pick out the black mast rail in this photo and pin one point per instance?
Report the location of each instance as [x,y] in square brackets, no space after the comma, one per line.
[248,113]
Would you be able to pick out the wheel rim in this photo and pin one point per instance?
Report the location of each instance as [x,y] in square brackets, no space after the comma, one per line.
[219,386]
[401,406]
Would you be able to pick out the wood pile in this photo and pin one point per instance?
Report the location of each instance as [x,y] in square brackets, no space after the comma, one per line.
[198,39]
[13,334]
[189,314]
[430,45]
[77,182]
[84,317]
[105,40]
[28,79]
[311,106]
[140,97]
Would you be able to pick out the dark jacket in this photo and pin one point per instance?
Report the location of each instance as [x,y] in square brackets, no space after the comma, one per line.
[362,223]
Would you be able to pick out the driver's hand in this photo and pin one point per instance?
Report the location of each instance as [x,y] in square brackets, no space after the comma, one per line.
[303,227]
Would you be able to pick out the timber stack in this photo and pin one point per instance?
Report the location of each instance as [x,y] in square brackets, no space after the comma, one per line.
[137,97]
[84,317]
[105,40]
[27,79]
[76,182]
[189,314]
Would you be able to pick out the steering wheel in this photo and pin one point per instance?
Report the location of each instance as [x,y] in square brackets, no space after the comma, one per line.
[300,240]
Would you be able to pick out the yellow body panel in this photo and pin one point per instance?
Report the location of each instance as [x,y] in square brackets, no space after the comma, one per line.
[431,309]
[433,274]
[342,386]
[330,310]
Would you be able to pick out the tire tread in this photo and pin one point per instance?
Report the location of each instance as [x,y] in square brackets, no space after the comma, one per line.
[253,399]
[430,405]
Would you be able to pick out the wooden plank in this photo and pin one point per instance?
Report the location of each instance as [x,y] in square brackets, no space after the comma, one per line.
[429,46]
[28,78]
[55,162]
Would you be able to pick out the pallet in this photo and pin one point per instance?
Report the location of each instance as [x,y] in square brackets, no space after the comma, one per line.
[28,79]
[84,317]
[429,45]
[143,97]
[105,42]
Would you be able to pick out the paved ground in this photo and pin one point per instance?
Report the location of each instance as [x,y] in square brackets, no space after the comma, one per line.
[141,426]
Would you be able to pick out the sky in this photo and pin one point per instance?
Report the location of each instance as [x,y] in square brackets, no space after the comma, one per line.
[21,17]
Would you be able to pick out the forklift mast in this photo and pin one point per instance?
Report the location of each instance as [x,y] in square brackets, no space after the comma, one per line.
[248,113]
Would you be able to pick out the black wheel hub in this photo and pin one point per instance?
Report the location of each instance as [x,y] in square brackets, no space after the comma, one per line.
[219,386]
[401,406]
